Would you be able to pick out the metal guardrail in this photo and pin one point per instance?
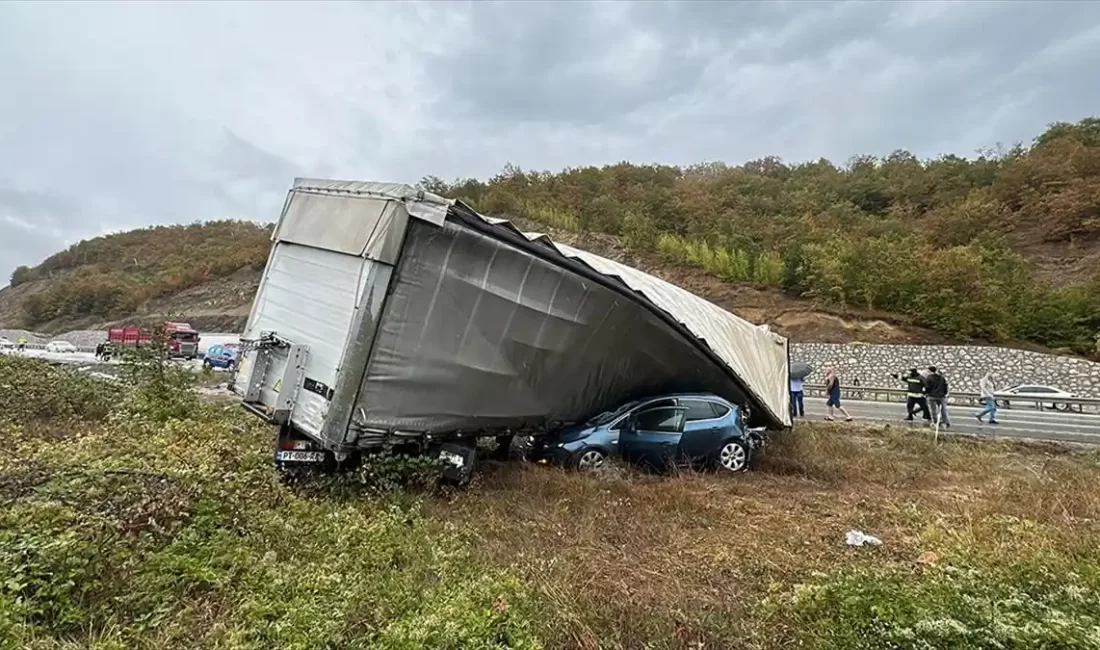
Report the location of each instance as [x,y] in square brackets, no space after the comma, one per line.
[42,346]
[962,398]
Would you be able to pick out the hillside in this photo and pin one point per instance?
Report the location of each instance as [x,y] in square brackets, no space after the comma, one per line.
[207,272]
[220,302]
[1004,247]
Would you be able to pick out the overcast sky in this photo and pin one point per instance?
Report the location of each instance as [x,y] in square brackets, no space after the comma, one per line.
[114,116]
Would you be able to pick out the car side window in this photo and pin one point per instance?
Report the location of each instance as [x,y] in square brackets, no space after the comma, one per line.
[720,410]
[697,409]
[660,420]
[661,403]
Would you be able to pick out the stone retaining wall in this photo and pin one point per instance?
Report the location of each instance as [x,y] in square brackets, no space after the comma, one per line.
[962,365]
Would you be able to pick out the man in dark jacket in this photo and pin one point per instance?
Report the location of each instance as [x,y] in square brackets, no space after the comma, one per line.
[935,386]
[914,395]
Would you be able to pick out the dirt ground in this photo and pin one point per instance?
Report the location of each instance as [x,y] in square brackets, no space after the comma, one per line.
[687,557]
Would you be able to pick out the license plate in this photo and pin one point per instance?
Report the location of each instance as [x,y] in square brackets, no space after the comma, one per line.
[301,456]
[452,458]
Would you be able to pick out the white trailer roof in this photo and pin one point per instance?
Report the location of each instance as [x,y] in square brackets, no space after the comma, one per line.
[753,353]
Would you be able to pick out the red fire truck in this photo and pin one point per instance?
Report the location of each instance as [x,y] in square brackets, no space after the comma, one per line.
[183,340]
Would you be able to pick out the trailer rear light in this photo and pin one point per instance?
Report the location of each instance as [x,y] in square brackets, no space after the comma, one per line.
[287,444]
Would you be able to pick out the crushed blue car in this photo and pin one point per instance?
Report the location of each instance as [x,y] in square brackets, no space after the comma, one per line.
[684,430]
[221,356]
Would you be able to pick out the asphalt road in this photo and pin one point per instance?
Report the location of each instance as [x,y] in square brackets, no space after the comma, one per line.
[1014,423]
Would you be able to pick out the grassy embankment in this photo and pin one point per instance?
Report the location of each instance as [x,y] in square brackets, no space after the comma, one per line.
[122,527]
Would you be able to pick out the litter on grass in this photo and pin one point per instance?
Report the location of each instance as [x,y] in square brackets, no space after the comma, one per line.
[859,538]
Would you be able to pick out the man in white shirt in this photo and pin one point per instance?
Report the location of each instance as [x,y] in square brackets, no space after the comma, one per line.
[798,407]
[985,387]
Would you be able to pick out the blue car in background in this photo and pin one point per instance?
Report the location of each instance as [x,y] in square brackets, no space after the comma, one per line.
[683,430]
[221,356]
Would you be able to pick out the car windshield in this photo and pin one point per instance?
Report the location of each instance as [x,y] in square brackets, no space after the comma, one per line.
[607,416]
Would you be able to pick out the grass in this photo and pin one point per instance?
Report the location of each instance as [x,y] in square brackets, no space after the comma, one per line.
[118,530]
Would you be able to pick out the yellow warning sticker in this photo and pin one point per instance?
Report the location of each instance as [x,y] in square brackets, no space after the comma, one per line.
[278,386]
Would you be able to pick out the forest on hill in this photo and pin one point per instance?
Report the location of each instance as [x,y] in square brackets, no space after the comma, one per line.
[1004,246]
[112,275]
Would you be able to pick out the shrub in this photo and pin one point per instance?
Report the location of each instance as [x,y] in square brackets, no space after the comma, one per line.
[32,390]
[1033,604]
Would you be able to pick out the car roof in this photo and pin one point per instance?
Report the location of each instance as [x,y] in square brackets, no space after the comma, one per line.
[710,397]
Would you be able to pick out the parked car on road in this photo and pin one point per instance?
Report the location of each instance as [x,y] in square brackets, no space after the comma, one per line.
[5,343]
[696,430]
[61,347]
[1033,393]
[221,356]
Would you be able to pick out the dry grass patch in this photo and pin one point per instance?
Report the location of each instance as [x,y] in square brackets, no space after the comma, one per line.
[630,561]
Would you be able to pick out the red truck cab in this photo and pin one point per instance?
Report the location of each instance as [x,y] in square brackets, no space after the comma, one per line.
[183,340]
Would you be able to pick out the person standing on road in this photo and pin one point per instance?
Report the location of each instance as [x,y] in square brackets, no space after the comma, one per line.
[989,398]
[798,406]
[914,395]
[936,388]
[832,389]
[22,344]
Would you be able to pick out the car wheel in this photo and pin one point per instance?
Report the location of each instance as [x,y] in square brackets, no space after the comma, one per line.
[230,366]
[590,459]
[734,456]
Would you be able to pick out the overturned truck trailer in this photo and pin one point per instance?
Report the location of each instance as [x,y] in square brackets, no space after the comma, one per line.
[388,315]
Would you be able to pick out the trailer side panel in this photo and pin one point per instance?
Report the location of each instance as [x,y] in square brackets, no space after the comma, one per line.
[480,335]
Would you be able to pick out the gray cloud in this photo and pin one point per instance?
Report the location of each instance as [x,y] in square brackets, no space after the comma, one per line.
[118,115]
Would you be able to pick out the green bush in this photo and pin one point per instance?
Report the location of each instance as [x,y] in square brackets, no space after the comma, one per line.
[159,389]
[32,390]
[158,521]
[731,264]
[1034,604]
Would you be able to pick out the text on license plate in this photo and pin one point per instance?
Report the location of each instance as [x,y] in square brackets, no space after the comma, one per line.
[301,456]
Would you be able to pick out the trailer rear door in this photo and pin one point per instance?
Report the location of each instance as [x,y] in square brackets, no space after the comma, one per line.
[307,298]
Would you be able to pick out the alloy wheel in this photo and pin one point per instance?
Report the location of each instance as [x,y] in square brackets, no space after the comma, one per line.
[733,457]
[591,459]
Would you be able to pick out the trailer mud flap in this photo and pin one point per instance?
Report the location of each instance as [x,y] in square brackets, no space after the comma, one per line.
[458,462]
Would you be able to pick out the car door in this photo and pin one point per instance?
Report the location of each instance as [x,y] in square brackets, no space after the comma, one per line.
[704,426]
[651,435]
